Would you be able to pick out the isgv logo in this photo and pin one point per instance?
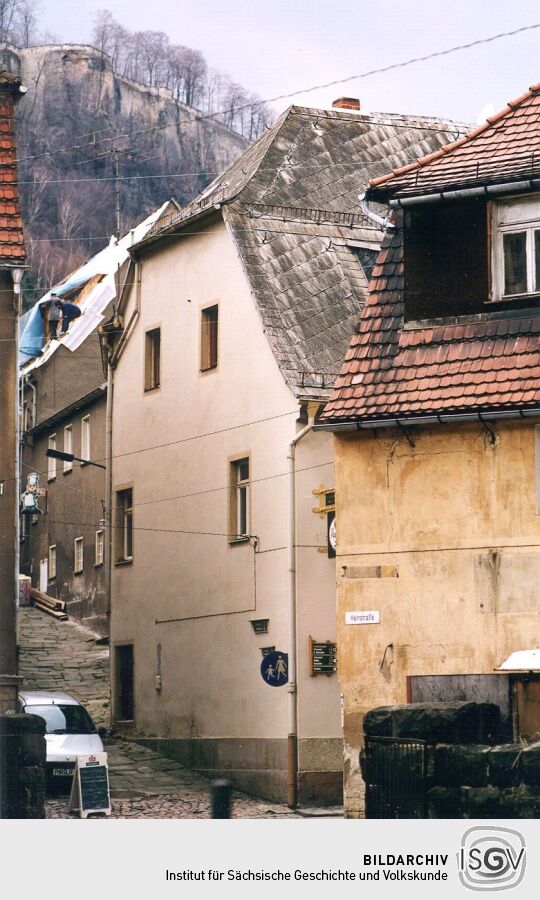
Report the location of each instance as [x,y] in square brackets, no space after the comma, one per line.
[491,859]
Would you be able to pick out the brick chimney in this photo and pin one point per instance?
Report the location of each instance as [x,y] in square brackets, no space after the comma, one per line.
[347,103]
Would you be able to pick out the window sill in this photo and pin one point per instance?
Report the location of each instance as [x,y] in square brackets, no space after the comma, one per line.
[152,390]
[68,471]
[124,562]
[238,540]
[51,478]
[98,565]
[78,571]
[492,310]
[515,298]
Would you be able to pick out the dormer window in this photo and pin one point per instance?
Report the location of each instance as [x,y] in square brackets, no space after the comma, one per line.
[516,248]
[445,259]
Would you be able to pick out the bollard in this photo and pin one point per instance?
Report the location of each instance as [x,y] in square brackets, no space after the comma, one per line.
[221,799]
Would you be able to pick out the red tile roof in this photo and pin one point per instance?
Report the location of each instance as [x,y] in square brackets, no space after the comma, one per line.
[505,148]
[485,362]
[12,250]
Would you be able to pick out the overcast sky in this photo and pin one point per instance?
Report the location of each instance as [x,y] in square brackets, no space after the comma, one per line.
[279,46]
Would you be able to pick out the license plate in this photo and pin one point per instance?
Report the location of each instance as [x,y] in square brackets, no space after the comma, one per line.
[62,771]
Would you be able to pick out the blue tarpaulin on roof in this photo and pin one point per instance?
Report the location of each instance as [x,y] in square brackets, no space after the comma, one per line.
[32,335]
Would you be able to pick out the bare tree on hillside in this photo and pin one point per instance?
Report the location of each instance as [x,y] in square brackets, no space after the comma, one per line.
[8,11]
[26,22]
[149,58]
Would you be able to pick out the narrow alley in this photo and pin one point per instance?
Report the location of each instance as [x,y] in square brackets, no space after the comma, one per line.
[64,656]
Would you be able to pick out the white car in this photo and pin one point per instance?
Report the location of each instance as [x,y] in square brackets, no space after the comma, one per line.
[69,731]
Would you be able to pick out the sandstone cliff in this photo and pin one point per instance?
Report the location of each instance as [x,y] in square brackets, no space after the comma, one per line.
[81,125]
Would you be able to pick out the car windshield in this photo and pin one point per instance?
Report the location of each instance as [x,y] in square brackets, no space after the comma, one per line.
[63,718]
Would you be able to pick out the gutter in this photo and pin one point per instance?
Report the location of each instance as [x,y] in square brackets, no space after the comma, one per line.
[437,419]
[381,221]
[462,193]
[292,688]
[117,352]
[66,411]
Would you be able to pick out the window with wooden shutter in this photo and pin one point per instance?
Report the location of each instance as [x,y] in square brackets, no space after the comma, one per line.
[152,359]
[446,259]
[209,338]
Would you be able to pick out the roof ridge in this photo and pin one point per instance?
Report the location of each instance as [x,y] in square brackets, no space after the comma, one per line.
[510,107]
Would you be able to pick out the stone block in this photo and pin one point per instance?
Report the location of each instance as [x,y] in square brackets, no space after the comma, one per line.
[461,764]
[445,803]
[22,767]
[504,765]
[32,750]
[530,764]
[378,722]
[453,722]
[502,803]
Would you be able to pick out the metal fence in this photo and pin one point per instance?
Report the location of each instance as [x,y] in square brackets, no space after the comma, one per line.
[398,773]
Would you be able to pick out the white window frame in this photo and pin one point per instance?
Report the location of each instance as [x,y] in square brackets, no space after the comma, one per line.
[78,555]
[240,487]
[86,451]
[124,526]
[68,447]
[511,216]
[52,562]
[100,547]
[51,461]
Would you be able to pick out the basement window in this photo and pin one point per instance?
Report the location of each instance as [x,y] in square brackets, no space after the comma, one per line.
[209,338]
[152,359]
[516,248]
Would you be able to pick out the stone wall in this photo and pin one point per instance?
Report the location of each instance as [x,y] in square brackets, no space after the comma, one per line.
[467,773]
[22,767]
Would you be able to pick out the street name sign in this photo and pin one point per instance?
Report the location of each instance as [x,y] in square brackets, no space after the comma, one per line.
[363,617]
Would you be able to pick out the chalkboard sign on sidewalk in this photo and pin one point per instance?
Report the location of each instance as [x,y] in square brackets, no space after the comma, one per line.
[90,792]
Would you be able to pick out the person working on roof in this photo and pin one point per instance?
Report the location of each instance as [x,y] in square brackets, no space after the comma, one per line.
[54,316]
[69,312]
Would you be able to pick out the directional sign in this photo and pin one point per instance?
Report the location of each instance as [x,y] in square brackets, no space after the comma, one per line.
[275,668]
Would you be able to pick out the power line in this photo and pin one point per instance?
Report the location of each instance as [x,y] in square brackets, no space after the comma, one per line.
[366,74]
[215,490]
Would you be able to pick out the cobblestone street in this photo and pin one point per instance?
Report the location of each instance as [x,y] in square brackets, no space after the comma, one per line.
[63,656]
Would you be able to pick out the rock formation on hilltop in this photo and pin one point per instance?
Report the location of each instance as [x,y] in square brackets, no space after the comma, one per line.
[91,140]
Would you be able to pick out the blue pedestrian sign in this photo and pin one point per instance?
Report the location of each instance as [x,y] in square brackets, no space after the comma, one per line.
[275,668]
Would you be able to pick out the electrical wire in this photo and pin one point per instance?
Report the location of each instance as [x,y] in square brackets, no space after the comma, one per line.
[216,490]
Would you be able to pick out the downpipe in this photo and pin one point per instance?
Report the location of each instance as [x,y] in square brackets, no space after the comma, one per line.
[292,687]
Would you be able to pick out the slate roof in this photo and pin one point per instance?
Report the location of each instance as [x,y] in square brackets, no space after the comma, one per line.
[488,362]
[505,148]
[12,251]
[291,204]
